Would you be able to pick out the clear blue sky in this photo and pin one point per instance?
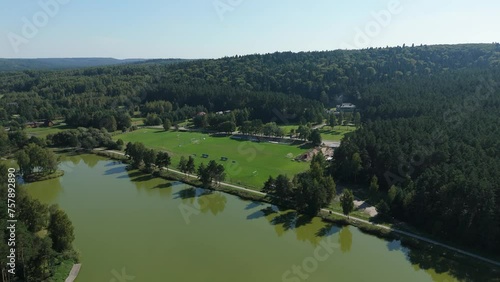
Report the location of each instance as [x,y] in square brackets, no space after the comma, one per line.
[196,29]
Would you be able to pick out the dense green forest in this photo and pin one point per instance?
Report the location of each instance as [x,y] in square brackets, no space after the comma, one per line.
[434,145]
[430,117]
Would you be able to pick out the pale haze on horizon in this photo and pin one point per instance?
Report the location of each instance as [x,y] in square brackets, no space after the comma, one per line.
[218,28]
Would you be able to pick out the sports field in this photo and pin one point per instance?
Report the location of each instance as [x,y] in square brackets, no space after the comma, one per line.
[249,163]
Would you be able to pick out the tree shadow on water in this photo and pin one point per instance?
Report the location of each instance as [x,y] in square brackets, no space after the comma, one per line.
[287,220]
[167,185]
[329,229]
[261,213]
[461,268]
[441,263]
[186,194]
[253,205]
[131,175]
[114,170]
[113,163]
[163,186]
[144,177]
[303,220]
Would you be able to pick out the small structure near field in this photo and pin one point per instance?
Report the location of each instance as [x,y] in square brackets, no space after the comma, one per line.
[204,156]
[307,157]
[223,159]
[346,107]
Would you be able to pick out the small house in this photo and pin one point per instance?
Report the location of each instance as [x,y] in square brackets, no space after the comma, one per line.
[346,107]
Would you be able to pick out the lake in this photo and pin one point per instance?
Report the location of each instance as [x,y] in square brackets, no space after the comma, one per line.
[132,227]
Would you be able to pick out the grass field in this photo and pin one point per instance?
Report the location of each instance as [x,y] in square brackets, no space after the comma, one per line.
[288,128]
[249,163]
[137,121]
[326,132]
[336,134]
[44,131]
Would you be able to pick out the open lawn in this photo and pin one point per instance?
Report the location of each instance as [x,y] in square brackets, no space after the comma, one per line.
[249,163]
[44,131]
[137,121]
[337,133]
[288,128]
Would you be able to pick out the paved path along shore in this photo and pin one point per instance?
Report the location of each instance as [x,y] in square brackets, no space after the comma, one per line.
[351,218]
[73,273]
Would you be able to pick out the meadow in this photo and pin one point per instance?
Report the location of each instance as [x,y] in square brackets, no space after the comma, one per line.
[336,134]
[249,164]
[327,133]
[42,132]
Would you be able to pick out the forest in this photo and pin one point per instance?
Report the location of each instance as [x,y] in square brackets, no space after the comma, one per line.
[433,144]
[429,131]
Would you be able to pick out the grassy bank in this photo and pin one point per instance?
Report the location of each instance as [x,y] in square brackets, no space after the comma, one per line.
[62,271]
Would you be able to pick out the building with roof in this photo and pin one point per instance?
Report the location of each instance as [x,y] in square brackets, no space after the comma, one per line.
[346,107]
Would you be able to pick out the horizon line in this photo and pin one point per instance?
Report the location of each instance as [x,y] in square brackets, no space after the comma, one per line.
[248,54]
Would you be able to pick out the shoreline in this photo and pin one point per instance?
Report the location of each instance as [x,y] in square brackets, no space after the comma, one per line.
[37,178]
[380,231]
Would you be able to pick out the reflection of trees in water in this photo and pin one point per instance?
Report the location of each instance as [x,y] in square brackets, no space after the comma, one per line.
[165,189]
[439,266]
[73,158]
[203,200]
[187,195]
[306,228]
[141,181]
[345,239]
[215,202]
[435,264]
[90,160]
[46,191]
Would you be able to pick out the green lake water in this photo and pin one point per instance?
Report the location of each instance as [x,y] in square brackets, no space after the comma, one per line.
[131,227]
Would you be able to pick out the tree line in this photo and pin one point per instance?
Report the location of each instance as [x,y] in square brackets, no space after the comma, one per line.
[430,147]
[153,161]
[306,192]
[37,256]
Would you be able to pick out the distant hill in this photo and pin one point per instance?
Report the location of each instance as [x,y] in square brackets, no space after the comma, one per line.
[60,63]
